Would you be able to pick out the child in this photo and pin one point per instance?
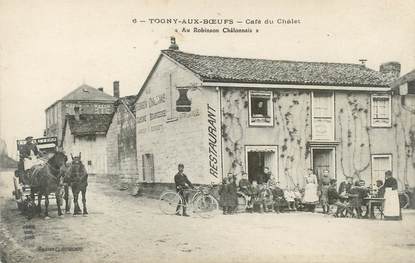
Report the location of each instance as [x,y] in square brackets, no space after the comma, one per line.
[278,197]
[257,202]
[290,198]
[297,197]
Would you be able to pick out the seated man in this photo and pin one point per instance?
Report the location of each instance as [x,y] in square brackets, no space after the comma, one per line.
[278,198]
[333,195]
[246,188]
[357,194]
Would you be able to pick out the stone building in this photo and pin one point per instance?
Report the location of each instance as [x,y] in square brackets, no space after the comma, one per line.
[221,115]
[89,101]
[86,134]
[121,140]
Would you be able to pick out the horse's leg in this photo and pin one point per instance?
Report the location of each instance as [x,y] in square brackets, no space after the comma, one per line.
[84,201]
[66,198]
[58,201]
[39,200]
[46,205]
[75,193]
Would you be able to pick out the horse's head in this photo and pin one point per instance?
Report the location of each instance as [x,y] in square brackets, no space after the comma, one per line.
[76,160]
[58,160]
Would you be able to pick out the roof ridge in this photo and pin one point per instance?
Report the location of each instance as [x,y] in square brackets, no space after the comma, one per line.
[267,59]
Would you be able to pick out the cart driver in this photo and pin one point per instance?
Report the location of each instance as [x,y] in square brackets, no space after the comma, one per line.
[28,154]
[182,183]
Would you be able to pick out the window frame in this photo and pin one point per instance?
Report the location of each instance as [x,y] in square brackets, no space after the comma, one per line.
[389,110]
[270,109]
[333,116]
[380,155]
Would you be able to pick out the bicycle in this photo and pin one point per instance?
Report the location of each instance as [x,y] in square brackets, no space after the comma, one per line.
[202,202]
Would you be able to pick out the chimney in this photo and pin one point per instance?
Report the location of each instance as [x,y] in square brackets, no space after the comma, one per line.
[76,109]
[391,69]
[363,61]
[101,89]
[116,85]
[173,45]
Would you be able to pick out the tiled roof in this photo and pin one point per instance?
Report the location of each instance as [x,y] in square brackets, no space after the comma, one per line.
[129,101]
[89,124]
[245,70]
[85,92]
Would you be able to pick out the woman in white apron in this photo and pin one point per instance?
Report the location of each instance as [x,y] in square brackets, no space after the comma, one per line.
[392,210]
[310,198]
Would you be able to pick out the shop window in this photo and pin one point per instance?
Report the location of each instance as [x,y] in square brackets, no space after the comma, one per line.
[381,111]
[260,108]
[322,116]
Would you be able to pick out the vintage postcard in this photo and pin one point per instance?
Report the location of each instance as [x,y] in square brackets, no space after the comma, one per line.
[207,131]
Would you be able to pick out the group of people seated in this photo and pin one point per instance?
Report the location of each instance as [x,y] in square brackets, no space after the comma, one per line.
[261,195]
[266,195]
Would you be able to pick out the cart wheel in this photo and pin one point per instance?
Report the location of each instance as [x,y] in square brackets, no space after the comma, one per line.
[169,202]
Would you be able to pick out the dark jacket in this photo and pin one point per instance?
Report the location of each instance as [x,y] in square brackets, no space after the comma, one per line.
[27,148]
[390,182]
[333,195]
[345,186]
[245,186]
[182,182]
[228,195]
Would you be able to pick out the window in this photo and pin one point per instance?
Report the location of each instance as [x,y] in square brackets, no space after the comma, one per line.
[89,162]
[323,116]
[381,111]
[380,164]
[260,108]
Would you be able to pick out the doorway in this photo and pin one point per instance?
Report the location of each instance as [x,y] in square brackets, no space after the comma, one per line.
[258,157]
[324,159]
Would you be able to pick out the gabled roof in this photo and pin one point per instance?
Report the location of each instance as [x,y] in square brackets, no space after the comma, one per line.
[88,124]
[129,101]
[85,92]
[264,71]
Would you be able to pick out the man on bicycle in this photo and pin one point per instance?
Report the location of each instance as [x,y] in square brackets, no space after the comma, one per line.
[182,183]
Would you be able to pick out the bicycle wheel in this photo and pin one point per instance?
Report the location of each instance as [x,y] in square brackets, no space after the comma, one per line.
[206,206]
[170,202]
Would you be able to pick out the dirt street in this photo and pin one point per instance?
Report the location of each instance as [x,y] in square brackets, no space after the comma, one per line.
[123,228]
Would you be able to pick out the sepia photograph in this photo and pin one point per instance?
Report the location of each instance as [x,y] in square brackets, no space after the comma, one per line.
[207,131]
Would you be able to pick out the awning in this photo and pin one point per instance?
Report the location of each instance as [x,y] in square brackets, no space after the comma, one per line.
[271,149]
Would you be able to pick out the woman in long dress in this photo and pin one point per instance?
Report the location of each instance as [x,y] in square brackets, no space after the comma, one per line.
[310,198]
[392,210]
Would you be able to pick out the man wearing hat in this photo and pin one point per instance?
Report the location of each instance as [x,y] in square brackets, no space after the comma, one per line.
[26,152]
[182,184]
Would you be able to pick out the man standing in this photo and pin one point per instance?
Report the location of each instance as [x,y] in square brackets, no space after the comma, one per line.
[182,184]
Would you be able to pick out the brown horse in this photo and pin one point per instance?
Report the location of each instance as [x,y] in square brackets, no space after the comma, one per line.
[45,179]
[77,177]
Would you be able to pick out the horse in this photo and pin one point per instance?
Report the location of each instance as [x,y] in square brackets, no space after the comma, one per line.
[45,179]
[77,177]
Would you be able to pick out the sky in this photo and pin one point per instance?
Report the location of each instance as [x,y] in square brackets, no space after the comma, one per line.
[49,48]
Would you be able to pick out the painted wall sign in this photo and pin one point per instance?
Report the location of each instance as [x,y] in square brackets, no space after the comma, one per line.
[158,114]
[157,100]
[141,105]
[213,142]
[142,119]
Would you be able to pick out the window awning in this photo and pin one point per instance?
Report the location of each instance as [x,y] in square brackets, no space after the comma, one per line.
[270,149]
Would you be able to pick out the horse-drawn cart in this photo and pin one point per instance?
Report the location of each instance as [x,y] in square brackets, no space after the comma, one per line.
[22,189]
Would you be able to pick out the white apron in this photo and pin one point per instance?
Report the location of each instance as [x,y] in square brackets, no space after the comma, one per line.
[391,210]
[310,193]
